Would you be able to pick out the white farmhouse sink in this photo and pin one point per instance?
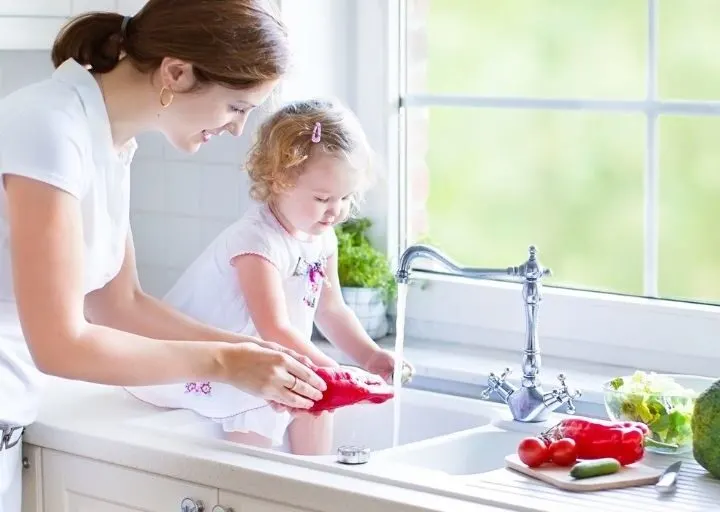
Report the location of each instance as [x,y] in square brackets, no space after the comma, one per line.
[470,452]
[423,415]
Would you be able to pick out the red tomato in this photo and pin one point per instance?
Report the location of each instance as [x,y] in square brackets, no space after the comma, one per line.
[563,452]
[532,451]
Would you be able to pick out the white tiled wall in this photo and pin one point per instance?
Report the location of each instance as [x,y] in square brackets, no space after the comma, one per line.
[179,202]
[18,68]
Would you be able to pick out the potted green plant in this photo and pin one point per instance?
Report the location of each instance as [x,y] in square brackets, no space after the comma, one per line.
[367,282]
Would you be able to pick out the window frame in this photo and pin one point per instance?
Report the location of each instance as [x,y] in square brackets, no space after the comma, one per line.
[647,333]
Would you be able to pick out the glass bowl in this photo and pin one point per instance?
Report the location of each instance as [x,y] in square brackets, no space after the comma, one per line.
[664,402]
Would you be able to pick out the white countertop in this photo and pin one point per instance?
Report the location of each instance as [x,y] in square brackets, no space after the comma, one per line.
[96,422]
[92,421]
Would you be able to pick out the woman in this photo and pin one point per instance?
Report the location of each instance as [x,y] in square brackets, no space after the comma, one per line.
[70,301]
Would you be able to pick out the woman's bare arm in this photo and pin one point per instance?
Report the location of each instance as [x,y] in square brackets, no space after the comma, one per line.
[47,261]
[122,304]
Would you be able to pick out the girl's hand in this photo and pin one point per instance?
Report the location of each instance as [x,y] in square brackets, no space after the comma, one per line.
[382,362]
[270,371]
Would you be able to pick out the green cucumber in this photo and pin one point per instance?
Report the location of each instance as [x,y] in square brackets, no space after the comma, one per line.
[595,467]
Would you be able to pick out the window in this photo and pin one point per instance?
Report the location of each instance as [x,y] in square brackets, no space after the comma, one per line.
[586,130]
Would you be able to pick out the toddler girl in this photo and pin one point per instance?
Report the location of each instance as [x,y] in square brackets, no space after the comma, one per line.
[273,273]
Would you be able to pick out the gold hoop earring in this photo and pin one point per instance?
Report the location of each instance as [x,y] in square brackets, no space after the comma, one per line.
[163,104]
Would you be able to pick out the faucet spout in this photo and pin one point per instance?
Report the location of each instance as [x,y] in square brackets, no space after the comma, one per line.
[421,251]
[527,403]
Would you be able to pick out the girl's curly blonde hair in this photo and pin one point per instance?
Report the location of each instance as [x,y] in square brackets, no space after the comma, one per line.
[288,138]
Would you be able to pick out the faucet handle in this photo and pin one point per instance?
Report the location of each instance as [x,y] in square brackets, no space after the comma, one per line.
[532,269]
[564,393]
[504,374]
[494,382]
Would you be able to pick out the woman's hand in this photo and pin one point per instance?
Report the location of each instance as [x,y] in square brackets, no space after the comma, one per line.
[273,372]
[382,362]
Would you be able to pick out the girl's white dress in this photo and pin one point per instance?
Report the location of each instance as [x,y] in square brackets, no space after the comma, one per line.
[208,291]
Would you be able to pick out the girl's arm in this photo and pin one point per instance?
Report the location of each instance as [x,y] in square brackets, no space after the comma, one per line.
[122,304]
[338,322]
[47,266]
[261,286]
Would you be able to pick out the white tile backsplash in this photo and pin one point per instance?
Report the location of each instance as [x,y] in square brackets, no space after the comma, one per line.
[181,237]
[181,202]
[19,68]
[149,236]
[81,6]
[222,194]
[181,183]
[148,194]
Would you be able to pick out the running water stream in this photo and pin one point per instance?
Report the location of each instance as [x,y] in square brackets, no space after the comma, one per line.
[399,358]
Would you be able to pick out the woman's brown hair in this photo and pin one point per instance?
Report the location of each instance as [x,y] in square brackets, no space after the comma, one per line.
[235,43]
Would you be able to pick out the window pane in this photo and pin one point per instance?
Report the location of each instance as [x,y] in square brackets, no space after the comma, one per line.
[689,46]
[499,180]
[689,257]
[538,48]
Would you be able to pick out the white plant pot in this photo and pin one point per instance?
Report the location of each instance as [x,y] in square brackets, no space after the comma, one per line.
[368,305]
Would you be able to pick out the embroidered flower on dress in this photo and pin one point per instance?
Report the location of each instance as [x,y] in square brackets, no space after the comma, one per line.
[315,274]
[198,388]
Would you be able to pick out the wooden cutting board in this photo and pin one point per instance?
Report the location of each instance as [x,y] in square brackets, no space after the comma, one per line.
[629,476]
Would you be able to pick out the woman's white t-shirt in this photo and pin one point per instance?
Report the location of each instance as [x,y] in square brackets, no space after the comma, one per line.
[57,131]
[209,292]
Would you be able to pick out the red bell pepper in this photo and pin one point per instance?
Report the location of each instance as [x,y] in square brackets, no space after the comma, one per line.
[349,386]
[597,439]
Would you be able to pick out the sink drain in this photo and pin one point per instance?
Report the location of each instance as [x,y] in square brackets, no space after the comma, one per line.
[351,454]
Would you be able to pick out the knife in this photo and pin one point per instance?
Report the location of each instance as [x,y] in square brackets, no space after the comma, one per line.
[668,479]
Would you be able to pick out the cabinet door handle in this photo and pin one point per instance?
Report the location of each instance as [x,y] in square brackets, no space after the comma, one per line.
[190,505]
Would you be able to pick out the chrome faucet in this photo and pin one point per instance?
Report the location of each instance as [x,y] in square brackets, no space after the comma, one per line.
[528,403]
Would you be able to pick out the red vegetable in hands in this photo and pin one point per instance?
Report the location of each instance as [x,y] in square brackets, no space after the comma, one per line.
[597,439]
[349,386]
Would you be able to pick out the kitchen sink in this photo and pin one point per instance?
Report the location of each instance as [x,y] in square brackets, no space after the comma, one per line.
[475,451]
[424,416]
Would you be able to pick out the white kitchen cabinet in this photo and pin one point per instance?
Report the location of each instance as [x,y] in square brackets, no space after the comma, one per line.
[32,497]
[78,484]
[232,502]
